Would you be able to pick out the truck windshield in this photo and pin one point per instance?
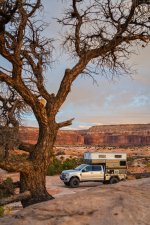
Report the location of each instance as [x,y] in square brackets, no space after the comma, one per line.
[80,167]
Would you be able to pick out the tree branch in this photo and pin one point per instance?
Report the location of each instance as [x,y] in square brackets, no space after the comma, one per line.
[65,123]
[76,14]
[69,76]
[26,147]
[5,78]
[6,17]
[14,166]
[15,198]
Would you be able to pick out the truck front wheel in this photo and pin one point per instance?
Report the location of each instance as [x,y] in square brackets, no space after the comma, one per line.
[114,180]
[74,182]
[67,183]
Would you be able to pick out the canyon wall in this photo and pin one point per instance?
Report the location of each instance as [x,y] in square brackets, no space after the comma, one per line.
[118,135]
[105,135]
[28,134]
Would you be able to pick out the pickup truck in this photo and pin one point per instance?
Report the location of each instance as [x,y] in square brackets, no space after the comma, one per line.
[87,172]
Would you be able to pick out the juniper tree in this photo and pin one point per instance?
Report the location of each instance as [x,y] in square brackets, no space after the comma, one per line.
[99,32]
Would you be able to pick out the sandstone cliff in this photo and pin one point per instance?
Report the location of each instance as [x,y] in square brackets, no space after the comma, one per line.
[118,135]
[105,135]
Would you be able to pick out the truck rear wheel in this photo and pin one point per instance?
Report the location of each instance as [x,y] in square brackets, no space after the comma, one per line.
[114,180]
[74,182]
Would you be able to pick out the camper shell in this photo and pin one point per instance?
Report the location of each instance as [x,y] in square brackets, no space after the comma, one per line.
[110,160]
[113,163]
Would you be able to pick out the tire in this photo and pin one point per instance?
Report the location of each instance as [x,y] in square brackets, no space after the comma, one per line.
[106,182]
[67,184]
[114,180]
[74,182]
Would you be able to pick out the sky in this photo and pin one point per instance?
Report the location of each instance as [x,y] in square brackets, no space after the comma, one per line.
[124,100]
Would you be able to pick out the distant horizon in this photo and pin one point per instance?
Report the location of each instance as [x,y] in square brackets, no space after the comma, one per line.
[73,129]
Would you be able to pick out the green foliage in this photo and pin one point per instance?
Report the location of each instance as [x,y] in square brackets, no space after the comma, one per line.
[130,159]
[58,165]
[148,164]
[138,176]
[1,211]
[7,188]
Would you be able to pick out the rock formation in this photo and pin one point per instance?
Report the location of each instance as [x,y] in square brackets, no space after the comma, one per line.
[125,203]
[105,135]
[118,135]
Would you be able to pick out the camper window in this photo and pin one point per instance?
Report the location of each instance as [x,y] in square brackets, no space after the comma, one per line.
[102,156]
[122,163]
[118,156]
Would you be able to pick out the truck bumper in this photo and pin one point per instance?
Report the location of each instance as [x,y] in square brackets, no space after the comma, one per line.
[64,179]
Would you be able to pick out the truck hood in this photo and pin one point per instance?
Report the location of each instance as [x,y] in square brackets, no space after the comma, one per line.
[68,171]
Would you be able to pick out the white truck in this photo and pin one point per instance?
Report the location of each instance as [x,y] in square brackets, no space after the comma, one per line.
[103,167]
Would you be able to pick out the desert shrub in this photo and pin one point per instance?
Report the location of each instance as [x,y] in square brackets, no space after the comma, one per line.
[130,160]
[138,176]
[1,211]
[58,165]
[70,163]
[148,164]
[55,167]
[7,188]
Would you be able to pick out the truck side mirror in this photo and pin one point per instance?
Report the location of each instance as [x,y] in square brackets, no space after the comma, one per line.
[84,170]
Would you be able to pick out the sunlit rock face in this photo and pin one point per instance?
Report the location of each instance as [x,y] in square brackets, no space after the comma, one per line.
[105,135]
[69,138]
[30,135]
[118,135]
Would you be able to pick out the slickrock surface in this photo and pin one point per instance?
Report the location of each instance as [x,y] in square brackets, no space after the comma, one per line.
[125,203]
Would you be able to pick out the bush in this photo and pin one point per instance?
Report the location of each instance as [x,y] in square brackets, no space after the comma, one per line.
[7,188]
[55,167]
[1,211]
[58,165]
[130,159]
[148,164]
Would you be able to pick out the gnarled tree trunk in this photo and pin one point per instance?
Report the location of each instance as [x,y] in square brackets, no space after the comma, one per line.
[34,179]
[35,182]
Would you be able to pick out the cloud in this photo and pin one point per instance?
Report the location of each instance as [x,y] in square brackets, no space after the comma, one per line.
[123,100]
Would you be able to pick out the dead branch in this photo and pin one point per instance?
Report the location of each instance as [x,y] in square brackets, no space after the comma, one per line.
[65,123]
[15,198]
[26,147]
[14,166]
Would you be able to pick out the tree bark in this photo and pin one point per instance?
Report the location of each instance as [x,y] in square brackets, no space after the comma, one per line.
[34,180]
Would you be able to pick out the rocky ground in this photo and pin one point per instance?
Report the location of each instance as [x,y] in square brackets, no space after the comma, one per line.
[125,203]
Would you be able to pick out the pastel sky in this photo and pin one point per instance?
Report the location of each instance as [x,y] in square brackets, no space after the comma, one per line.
[124,100]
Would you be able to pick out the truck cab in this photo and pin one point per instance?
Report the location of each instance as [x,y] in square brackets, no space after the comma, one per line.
[82,173]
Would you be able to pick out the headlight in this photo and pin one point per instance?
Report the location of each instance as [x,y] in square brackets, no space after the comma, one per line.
[66,174]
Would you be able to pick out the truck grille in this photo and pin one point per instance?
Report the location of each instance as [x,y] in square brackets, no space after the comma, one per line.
[63,175]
